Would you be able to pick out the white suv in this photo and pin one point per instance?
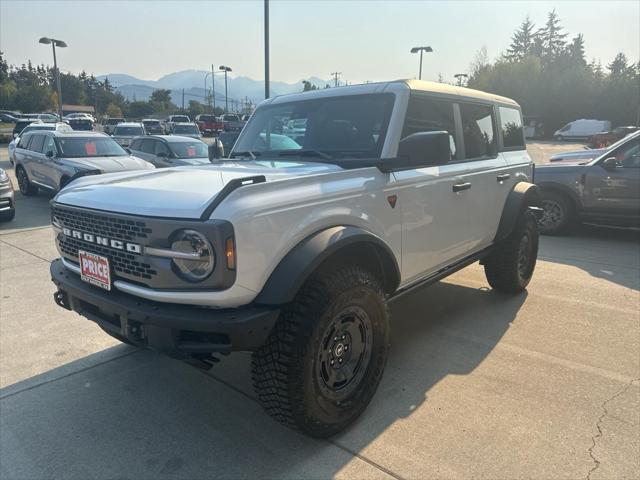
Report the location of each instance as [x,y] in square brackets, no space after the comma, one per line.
[292,247]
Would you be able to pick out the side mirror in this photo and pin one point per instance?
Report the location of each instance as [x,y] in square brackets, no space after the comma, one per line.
[610,163]
[162,154]
[128,150]
[421,149]
[216,150]
[50,154]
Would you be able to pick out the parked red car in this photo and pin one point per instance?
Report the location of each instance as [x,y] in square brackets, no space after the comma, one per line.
[604,139]
[209,124]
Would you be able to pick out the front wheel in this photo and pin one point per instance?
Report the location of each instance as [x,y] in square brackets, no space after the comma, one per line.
[510,266]
[324,358]
[557,214]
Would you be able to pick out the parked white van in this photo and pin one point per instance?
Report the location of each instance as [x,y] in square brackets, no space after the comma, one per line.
[582,128]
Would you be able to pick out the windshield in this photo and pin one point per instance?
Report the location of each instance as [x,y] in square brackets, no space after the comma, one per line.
[195,149]
[128,131]
[337,126]
[207,118]
[114,121]
[231,118]
[179,118]
[79,147]
[185,129]
[151,123]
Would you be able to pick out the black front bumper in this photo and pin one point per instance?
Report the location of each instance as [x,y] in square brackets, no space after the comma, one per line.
[177,330]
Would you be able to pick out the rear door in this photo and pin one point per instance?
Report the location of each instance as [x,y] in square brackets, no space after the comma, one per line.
[615,193]
[49,164]
[485,167]
[34,161]
[435,212]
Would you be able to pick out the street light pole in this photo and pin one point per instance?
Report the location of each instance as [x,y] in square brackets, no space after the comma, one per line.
[61,44]
[213,88]
[266,49]
[421,50]
[205,87]
[225,69]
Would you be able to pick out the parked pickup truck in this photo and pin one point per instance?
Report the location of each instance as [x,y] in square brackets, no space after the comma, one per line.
[231,122]
[604,190]
[209,124]
[293,253]
[172,120]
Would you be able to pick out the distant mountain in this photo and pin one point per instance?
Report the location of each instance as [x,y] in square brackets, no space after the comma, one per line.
[192,81]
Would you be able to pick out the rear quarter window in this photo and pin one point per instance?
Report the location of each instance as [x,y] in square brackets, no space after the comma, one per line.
[511,126]
[478,130]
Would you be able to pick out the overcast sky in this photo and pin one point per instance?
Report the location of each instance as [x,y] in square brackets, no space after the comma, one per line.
[365,40]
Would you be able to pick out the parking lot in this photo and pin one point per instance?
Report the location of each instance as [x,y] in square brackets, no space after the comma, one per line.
[542,385]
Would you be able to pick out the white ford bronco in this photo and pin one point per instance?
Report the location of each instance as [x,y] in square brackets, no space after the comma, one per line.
[292,246]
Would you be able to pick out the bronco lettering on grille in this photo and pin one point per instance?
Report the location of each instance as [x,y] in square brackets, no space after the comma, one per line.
[104,241]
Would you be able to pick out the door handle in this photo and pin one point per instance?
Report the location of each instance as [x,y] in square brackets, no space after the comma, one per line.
[503,177]
[458,187]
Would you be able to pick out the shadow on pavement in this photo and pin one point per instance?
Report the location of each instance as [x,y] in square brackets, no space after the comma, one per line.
[607,253]
[143,415]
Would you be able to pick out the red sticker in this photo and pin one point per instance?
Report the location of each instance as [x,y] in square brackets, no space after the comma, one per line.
[191,151]
[90,148]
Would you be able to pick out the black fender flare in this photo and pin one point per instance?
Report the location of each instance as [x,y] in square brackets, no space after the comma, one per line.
[523,195]
[296,267]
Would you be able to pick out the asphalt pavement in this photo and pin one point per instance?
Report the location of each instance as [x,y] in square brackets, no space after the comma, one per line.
[545,384]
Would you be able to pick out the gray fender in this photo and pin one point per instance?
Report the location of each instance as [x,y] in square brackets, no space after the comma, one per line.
[296,267]
[523,195]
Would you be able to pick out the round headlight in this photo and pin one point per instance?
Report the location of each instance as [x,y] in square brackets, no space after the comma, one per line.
[199,259]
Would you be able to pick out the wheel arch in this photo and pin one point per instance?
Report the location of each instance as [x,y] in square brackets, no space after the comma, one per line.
[562,190]
[326,249]
[521,196]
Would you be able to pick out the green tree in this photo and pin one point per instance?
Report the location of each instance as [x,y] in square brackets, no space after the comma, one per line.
[308,86]
[551,37]
[139,109]
[522,42]
[195,108]
[114,110]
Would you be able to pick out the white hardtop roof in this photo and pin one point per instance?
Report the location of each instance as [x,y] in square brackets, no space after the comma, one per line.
[380,87]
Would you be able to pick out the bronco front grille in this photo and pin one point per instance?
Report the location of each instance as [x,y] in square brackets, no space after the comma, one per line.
[100,224]
[122,262]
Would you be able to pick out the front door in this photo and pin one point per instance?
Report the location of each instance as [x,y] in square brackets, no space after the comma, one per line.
[614,192]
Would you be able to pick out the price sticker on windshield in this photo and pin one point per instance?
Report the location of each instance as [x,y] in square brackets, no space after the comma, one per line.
[191,151]
[90,148]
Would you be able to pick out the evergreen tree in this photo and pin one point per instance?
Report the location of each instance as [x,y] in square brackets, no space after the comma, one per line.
[575,50]
[522,42]
[552,38]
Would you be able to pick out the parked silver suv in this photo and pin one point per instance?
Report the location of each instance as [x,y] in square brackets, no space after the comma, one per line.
[51,159]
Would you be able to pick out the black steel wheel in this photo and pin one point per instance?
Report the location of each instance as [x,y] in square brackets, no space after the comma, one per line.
[324,359]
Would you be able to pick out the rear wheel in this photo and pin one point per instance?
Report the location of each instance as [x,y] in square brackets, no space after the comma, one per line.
[557,214]
[510,266]
[324,359]
[26,187]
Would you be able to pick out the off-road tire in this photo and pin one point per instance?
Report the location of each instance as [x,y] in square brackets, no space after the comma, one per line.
[558,216]
[7,217]
[510,266]
[289,372]
[26,187]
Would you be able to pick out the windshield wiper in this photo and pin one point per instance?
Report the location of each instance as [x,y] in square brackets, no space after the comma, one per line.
[305,153]
[248,153]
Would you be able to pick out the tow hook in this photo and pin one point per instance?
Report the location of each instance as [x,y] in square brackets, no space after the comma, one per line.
[61,299]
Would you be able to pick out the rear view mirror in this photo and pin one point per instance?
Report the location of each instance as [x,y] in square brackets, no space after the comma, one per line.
[216,150]
[610,163]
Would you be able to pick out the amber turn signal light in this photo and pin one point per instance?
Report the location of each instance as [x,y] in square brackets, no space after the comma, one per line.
[231,253]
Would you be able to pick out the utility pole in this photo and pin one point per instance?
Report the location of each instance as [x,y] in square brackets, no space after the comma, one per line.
[460,76]
[183,99]
[266,49]
[225,69]
[335,77]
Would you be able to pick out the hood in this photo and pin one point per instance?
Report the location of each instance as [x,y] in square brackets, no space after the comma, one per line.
[180,192]
[578,155]
[559,168]
[191,161]
[109,164]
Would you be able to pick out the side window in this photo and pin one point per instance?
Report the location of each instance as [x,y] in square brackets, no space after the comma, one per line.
[161,147]
[629,155]
[478,131]
[135,145]
[37,143]
[511,124]
[147,145]
[24,142]
[430,115]
[49,145]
